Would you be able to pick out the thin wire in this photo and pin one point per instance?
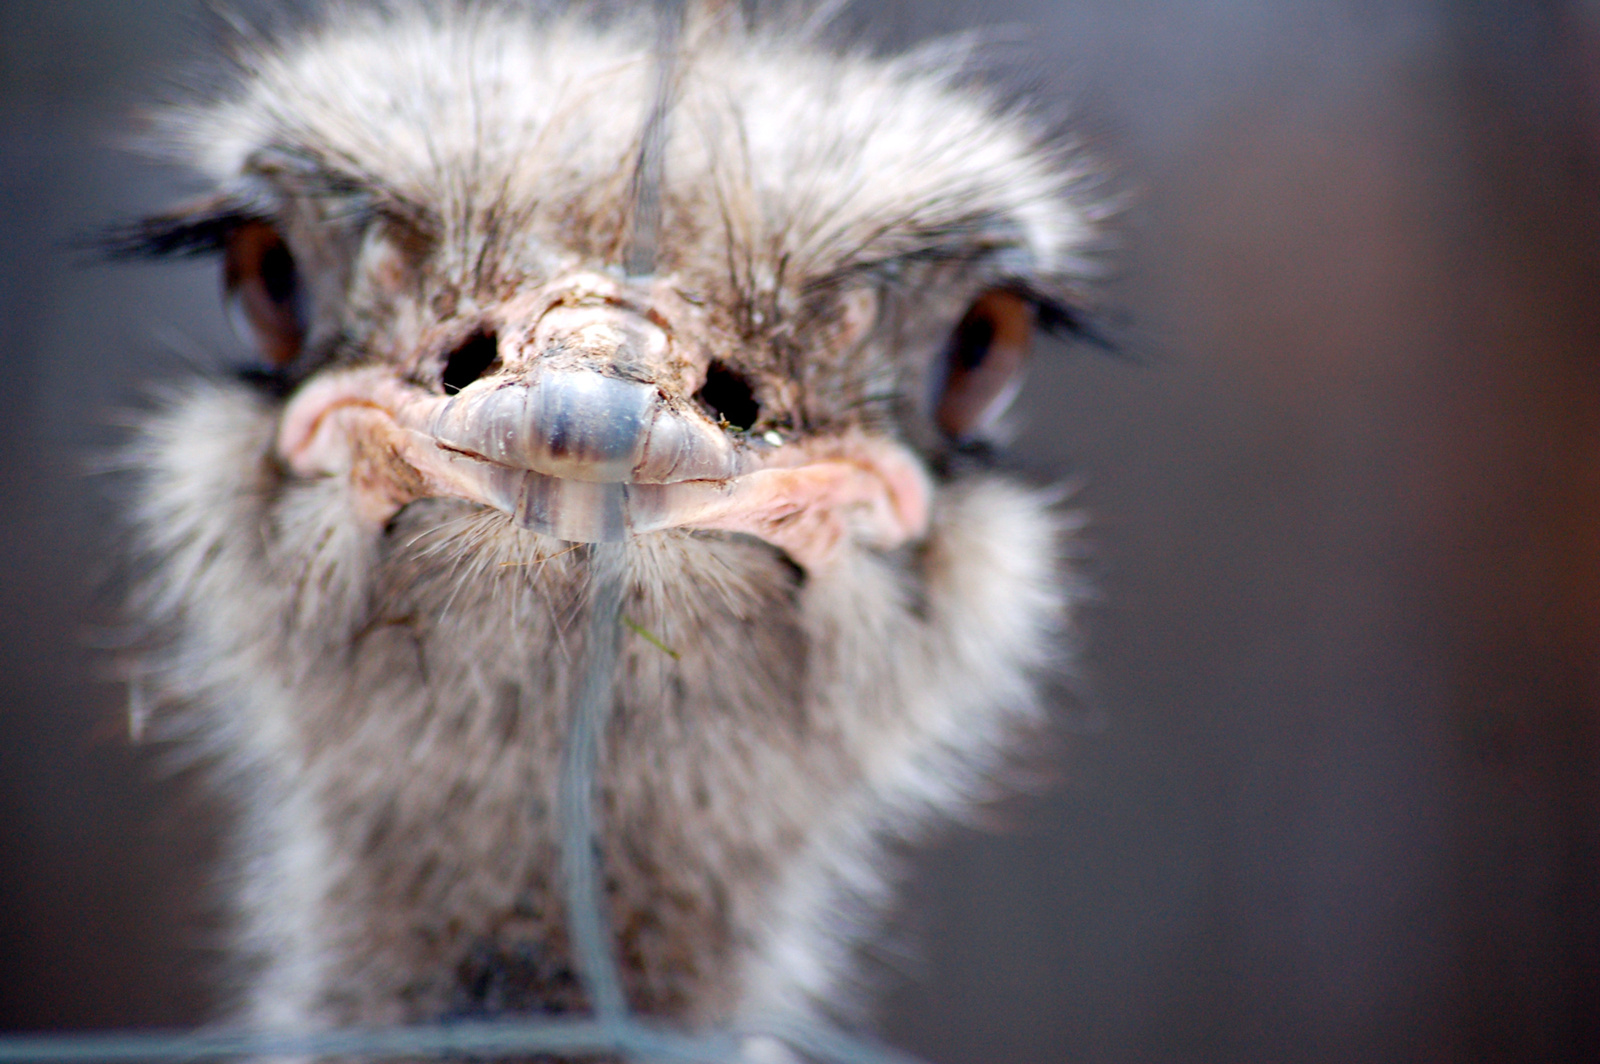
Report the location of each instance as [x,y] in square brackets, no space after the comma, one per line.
[649,168]
[482,1040]
[576,1038]
[587,925]
[823,1043]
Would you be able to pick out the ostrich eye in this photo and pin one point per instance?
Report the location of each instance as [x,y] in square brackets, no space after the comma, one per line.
[264,288]
[983,363]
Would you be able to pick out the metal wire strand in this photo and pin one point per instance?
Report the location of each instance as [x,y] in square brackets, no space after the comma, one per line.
[588,927]
[487,1040]
[649,169]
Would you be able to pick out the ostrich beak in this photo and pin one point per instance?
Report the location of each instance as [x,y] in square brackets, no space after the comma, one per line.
[585,430]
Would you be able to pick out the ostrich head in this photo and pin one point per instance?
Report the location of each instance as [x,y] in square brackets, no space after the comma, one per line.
[520,284]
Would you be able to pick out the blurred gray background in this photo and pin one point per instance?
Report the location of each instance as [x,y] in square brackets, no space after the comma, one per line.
[1329,789]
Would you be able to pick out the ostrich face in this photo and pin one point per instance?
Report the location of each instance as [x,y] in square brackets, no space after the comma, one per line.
[368,565]
[440,243]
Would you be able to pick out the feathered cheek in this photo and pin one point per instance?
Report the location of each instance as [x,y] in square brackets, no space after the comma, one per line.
[396,443]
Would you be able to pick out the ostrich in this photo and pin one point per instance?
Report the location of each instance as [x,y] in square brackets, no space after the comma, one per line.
[545,302]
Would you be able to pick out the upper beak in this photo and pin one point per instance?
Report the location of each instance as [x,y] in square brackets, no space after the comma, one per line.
[588,407]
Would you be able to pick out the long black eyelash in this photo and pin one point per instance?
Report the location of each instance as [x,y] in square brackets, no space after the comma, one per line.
[1060,319]
[174,235]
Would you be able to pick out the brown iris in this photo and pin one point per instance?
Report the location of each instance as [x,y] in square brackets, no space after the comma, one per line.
[259,274]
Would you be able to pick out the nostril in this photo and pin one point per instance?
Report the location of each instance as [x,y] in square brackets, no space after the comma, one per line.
[470,361]
[729,396]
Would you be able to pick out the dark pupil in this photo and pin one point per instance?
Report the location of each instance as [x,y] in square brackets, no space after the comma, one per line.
[277,274]
[973,338]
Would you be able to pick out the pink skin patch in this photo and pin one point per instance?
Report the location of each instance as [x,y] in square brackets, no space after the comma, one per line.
[807,498]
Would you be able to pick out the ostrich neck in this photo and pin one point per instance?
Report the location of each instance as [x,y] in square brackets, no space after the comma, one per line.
[433,742]
[395,706]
